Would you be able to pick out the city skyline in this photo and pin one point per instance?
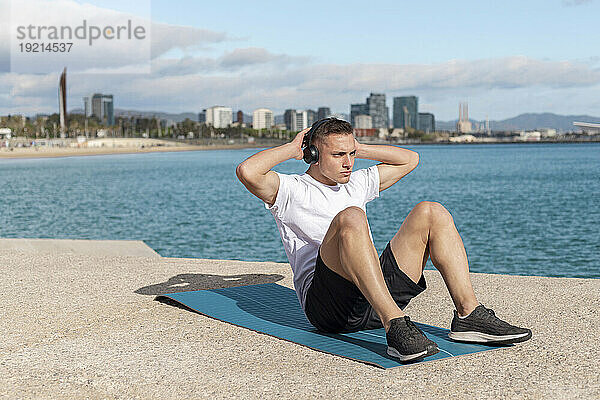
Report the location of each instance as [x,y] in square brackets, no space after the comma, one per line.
[503,59]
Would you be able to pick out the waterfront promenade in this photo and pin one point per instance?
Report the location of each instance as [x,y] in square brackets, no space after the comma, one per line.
[81,323]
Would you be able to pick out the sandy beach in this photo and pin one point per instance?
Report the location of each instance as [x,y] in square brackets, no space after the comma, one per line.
[131,146]
[117,146]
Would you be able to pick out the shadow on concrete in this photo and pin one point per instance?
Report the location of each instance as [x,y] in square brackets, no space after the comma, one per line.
[191,282]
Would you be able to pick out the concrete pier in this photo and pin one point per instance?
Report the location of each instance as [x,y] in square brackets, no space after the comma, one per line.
[84,247]
[80,325]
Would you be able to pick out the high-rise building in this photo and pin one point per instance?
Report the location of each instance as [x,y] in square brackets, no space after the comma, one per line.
[378,110]
[202,117]
[311,117]
[406,112]
[239,117]
[426,122]
[323,112]
[298,120]
[289,118]
[301,120]
[375,107]
[363,121]
[219,116]
[100,106]
[357,109]
[108,109]
[463,125]
[262,118]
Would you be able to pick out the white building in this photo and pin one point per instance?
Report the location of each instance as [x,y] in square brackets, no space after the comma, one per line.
[262,118]
[219,116]
[363,121]
[301,120]
[531,136]
[5,133]
[548,132]
[464,124]
[588,128]
[463,139]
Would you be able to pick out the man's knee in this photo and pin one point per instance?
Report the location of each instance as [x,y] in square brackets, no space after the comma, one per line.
[433,212]
[350,219]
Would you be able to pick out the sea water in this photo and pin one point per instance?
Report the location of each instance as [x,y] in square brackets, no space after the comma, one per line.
[527,209]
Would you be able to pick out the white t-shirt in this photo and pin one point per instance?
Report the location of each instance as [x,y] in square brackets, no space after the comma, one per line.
[304,209]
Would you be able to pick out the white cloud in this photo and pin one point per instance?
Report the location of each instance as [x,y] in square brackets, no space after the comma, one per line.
[512,72]
[167,37]
[569,3]
[114,55]
[256,56]
[254,77]
[230,62]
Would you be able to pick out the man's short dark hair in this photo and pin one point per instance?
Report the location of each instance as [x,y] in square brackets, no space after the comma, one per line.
[332,127]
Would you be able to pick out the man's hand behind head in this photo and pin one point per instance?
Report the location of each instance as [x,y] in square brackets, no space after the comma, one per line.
[297,142]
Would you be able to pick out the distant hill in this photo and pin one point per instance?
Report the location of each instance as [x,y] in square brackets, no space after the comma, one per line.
[529,121]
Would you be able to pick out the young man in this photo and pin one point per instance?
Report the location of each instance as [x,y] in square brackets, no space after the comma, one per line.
[341,283]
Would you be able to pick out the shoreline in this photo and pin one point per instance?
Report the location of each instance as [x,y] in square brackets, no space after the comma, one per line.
[57,152]
[31,153]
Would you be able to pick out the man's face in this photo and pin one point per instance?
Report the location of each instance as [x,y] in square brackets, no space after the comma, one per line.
[336,157]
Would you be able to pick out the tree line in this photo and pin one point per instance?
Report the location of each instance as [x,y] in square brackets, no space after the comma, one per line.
[131,127]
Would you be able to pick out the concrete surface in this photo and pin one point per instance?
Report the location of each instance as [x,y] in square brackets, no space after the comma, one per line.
[87,326]
[84,247]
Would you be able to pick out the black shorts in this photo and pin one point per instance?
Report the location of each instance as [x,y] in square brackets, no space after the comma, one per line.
[334,304]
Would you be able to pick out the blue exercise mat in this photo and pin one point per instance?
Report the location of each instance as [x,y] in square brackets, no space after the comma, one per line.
[274,310]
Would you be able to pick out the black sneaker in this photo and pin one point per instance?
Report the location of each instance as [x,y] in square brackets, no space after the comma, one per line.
[482,326]
[407,342]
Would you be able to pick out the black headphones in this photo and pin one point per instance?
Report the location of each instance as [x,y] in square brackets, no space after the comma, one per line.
[311,153]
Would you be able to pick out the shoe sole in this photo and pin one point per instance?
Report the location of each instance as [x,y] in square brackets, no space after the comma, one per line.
[412,357]
[479,337]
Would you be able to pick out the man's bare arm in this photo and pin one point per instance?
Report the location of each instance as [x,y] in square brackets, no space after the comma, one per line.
[396,162]
[255,172]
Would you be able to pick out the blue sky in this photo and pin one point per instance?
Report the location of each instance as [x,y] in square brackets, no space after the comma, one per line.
[399,31]
[504,58]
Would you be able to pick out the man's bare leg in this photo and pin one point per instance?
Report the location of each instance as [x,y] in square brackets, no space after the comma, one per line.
[429,230]
[347,250]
